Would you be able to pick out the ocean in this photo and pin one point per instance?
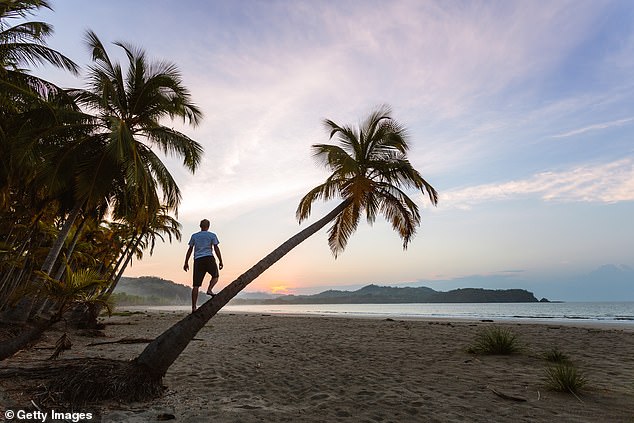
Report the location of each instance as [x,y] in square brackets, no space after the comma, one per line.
[614,313]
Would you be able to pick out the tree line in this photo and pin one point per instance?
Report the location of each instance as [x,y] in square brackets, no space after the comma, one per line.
[81,185]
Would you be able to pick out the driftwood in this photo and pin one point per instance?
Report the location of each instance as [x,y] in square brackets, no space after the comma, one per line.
[505,396]
[123,341]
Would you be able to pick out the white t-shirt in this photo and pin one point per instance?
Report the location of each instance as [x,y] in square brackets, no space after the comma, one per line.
[203,242]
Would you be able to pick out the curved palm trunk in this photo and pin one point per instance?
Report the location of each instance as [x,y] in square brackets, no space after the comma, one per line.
[24,339]
[62,267]
[119,274]
[112,273]
[21,312]
[56,248]
[159,355]
[46,304]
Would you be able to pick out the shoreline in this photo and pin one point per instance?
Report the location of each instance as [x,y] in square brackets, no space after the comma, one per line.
[625,325]
[252,367]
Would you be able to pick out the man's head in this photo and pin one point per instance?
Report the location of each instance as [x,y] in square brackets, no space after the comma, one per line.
[204,224]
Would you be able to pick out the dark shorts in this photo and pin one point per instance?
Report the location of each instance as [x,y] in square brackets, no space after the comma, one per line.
[202,266]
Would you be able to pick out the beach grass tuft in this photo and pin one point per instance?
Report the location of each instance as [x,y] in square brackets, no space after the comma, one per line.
[495,341]
[555,355]
[564,377]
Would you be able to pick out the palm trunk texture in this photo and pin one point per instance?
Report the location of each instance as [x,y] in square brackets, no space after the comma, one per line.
[24,339]
[21,312]
[159,355]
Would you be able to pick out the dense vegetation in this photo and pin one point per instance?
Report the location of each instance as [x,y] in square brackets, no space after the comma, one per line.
[150,290]
[82,190]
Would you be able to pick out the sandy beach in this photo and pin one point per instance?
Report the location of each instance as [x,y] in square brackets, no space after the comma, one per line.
[270,368]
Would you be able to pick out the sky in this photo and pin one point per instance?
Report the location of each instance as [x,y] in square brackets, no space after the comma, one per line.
[520,113]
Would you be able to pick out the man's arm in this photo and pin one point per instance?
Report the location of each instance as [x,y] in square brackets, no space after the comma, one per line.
[217,250]
[189,253]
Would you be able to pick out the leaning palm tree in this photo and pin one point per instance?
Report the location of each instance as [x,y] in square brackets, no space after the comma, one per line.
[370,176]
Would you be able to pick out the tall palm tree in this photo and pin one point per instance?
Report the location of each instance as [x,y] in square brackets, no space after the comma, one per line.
[111,160]
[370,173]
[128,108]
[31,110]
[25,112]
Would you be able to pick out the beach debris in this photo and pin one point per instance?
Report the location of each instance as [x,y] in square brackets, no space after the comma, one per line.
[123,341]
[130,341]
[63,343]
[506,396]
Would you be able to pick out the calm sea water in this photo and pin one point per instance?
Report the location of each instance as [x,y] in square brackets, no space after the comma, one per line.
[620,313]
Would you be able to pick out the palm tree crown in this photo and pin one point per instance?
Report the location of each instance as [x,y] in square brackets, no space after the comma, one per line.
[128,108]
[371,172]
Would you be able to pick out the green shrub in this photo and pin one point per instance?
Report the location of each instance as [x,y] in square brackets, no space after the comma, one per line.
[564,377]
[495,340]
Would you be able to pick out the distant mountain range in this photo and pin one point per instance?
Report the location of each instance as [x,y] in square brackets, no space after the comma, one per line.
[373,294]
[149,290]
[606,283]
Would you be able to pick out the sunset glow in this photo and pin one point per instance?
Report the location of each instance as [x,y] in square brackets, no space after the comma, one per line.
[520,114]
[281,290]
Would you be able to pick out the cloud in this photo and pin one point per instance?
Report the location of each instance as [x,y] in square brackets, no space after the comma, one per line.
[605,183]
[265,74]
[595,127]
[265,88]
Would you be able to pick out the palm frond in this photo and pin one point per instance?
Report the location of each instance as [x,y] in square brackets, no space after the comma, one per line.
[343,227]
[335,158]
[401,212]
[159,172]
[63,343]
[24,44]
[326,191]
[21,8]
[177,144]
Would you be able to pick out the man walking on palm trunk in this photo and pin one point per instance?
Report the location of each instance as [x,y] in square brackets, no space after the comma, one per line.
[203,244]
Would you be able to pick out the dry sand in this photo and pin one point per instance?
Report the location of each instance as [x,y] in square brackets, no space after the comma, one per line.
[269,368]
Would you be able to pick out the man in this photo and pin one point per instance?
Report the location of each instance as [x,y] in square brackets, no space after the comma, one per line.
[203,244]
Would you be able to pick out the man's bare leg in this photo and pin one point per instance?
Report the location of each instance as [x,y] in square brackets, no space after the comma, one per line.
[194,298]
[212,283]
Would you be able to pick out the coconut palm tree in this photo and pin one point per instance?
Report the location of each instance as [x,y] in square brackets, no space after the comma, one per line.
[31,110]
[24,43]
[127,109]
[111,159]
[24,110]
[370,175]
